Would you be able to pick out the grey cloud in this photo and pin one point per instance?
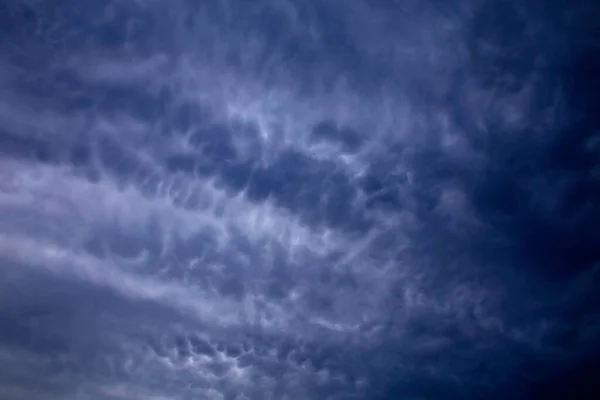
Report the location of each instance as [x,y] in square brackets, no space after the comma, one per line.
[296,200]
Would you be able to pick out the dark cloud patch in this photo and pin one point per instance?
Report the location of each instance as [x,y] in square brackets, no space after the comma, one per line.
[17,146]
[326,131]
[542,191]
[296,180]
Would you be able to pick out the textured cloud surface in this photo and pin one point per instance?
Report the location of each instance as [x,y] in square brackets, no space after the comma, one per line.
[287,199]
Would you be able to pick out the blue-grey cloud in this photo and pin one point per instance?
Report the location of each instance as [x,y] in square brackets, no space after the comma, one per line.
[297,200]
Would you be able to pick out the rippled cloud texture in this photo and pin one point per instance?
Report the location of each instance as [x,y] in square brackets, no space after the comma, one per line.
[287,199]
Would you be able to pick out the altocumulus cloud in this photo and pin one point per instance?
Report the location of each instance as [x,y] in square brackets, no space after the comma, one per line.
[292,199]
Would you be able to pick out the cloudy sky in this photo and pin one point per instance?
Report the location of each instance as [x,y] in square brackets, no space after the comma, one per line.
[299,199]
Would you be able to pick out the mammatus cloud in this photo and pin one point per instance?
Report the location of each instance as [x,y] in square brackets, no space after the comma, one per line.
[292,200]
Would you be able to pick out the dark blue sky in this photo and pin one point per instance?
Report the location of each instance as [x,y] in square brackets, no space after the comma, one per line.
[299,199]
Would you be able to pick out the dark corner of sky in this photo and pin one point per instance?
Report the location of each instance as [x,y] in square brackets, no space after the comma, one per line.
[299,199]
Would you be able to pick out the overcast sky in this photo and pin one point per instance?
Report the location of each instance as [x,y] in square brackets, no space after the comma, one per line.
[299,199]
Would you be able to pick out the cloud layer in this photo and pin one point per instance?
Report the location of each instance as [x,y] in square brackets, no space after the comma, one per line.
[295,199]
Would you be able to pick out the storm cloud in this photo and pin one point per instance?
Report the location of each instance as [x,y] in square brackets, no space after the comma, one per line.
[227,199]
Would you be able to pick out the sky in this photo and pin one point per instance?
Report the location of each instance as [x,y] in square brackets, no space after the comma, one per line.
[299,199]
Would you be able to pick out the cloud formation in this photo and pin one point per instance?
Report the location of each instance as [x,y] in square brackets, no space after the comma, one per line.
[295,200]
